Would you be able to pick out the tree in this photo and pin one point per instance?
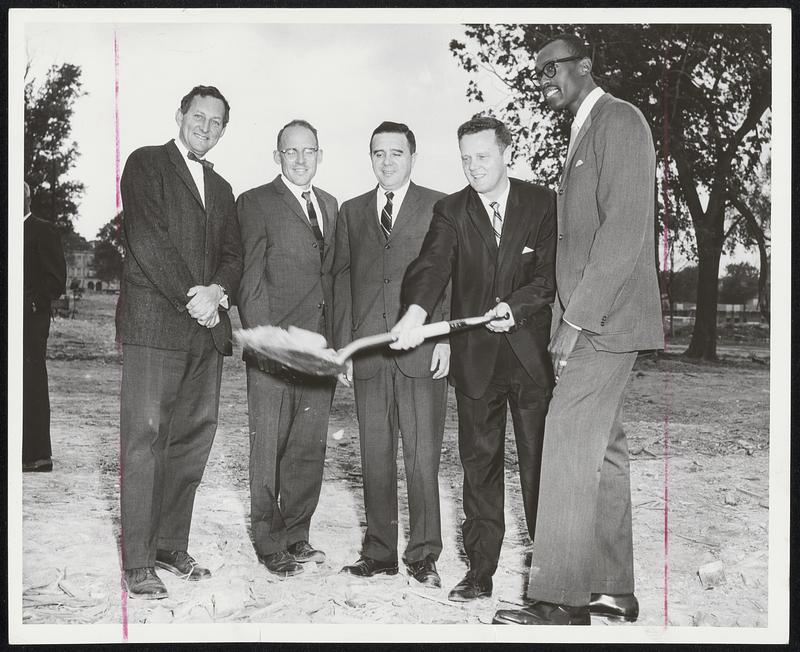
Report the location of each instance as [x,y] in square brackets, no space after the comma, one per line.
[108,250]
[705,92]
[49,155]
[739,285]
[683,285]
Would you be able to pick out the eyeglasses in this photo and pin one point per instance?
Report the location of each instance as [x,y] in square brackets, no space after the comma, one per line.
[549,69]
[292,154]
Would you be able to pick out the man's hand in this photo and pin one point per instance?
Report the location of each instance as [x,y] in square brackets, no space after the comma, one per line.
[500,325]
[561,345]
[440,360]
[346,377]
[407,329]
[204,302]
[211,322]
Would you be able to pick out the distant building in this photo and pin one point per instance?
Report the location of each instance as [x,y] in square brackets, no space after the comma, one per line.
[80,268]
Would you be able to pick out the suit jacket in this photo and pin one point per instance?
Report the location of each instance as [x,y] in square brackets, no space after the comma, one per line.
[368,273]
[605,267]
[284,282]
[172,243]
[460,243]
[44,267]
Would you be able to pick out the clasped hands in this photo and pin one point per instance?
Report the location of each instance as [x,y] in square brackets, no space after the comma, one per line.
[204,304]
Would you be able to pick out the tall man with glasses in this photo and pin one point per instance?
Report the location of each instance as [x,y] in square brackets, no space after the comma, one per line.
[397,394]
[606,310]
[182,266]
[287,228]
[496,240]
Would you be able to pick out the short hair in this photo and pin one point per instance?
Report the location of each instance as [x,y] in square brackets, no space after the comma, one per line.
[387,127]
[206,91]
[486,123]
[576,46]
[297,122]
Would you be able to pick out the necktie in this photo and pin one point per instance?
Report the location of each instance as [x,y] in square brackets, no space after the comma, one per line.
[206,164]
[386,215]
[497,221]
[312,218]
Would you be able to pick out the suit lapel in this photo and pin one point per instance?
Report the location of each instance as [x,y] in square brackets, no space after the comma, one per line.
[585,127]
[291,201]
[480,219]
[182,168]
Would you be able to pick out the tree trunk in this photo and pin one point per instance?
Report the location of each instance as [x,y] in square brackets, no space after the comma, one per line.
[704,334]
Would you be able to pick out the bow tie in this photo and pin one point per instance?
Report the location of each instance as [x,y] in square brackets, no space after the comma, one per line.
[206,164]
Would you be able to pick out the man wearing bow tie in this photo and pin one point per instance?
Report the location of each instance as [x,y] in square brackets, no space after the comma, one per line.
[287,228]
[182,267]
[397,394]
[496,240]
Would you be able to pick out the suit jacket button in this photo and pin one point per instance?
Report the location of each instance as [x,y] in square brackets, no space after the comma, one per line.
[387,246]
[386,280]
[383,315]
[560,191]
[314,245]
[319,305]
[497,299]
[560,236]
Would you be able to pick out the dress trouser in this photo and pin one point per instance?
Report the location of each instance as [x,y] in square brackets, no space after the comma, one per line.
[481,443]
[288,436]
[584,541]
[35,393]
[168,417]
[391,404]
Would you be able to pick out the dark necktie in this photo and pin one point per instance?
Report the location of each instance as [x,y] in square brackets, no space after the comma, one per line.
[386,216]
[497,221]
[206,164]
[312,218]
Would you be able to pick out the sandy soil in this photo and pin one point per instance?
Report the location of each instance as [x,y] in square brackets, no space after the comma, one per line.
[699,440]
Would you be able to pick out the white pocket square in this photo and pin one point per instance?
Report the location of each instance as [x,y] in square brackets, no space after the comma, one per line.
[579,163]
[527,250]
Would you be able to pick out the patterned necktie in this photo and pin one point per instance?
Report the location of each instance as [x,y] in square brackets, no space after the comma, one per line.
[497,221]
[206,164]
[312,218]
[386,215]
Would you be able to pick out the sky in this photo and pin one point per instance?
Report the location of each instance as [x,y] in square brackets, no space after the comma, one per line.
[345,77]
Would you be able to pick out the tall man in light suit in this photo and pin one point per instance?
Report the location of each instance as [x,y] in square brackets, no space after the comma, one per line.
[287,228]
[496,239]
[607,309]
[378,234]
[182,266]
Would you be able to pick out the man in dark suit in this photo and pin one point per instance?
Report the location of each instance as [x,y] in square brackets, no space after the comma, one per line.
[44,279]
[182,267]
[607,309]
[287,228]
[496,239]
[378,234]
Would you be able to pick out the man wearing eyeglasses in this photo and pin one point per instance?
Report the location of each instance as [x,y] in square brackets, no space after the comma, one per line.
[287,228]
[607,309]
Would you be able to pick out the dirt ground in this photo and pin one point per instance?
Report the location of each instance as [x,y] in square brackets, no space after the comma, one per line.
[699,441]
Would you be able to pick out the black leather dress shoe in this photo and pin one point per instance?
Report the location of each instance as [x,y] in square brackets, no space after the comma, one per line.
[182,564]
[143,583]
[424,572]
[282,564]
[38,466]
[303,552]
[620,606]
[471,588]
[367,567]
[543,613]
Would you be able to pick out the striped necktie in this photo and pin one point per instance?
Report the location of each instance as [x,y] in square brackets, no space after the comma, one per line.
[312,218]
[386,216]
[497,221]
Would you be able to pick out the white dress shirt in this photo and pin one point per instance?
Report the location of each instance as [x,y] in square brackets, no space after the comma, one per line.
[195,169]
[397,200]
[298,191]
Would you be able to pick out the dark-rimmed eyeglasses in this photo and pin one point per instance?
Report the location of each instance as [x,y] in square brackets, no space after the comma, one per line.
[292,153]
[549,69]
